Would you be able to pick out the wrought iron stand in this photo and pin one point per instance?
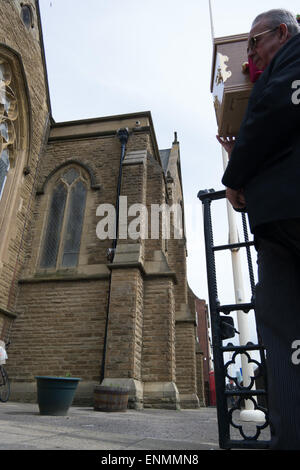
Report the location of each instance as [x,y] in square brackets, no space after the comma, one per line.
[222,328]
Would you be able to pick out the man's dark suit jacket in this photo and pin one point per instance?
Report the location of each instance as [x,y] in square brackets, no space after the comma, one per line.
[265,161]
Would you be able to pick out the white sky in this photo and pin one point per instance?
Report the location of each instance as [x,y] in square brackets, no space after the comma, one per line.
[107,57]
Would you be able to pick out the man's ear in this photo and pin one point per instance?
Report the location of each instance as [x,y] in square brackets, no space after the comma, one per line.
[284,34]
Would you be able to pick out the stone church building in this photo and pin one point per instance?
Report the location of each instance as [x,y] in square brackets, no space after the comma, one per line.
[117,309]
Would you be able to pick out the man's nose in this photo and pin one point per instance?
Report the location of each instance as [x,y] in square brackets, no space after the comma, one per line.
[250,51]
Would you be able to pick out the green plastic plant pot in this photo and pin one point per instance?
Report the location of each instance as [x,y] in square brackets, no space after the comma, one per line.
[55,394]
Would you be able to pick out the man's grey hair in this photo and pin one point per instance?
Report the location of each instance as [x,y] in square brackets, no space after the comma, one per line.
[273,18]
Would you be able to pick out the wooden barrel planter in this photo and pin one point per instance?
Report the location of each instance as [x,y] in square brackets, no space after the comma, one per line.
[110,398]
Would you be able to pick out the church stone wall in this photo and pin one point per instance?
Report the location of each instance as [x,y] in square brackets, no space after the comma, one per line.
[21,48]
[60,332]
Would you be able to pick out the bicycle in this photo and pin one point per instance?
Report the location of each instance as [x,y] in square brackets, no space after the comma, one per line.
[4,382]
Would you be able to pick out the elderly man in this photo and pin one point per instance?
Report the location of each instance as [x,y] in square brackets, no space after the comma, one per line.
[263,174]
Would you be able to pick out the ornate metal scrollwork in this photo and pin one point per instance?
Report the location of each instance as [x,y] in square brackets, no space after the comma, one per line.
[245,428]
[242,393]
[233,362]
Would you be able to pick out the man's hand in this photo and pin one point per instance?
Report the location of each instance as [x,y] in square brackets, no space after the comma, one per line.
[236,198]
[227,143]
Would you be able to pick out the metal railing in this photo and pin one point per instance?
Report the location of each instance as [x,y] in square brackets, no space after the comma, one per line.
[233,432]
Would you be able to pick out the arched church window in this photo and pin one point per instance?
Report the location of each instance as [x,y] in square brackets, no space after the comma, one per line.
[8,118]
[65,221]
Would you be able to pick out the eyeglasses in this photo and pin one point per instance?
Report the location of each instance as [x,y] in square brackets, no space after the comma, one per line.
[252,43]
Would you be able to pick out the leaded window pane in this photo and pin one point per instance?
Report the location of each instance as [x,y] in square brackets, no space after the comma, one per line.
[4,130]
[5,73]
[74,225]
[70,175]
[53,232]
[2,72]
[4,167]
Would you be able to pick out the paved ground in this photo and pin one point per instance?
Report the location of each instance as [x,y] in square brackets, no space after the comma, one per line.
[131,434]
[23,428]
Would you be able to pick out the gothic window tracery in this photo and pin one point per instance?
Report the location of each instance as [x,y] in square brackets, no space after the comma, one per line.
[8,118]
[65,220]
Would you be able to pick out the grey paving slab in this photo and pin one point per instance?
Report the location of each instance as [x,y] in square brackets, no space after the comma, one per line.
[162,444]
[22,427]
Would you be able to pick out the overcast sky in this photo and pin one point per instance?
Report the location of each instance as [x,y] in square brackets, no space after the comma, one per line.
[107,57]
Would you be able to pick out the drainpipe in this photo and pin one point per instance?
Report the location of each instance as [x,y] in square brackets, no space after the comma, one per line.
[123,135]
